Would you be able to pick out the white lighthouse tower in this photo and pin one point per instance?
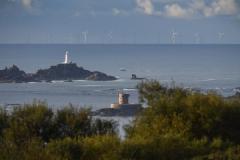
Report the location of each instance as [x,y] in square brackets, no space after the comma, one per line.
[66,61]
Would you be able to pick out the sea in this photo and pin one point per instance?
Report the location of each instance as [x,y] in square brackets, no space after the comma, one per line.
[200,67]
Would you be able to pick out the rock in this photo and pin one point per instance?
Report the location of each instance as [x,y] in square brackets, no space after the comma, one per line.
[98,76]
[68,72]
[14,74]
[62,72]
[122,111]
[71,71]
[134,77]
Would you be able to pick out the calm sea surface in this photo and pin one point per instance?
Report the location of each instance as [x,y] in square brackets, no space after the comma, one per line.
[203,67]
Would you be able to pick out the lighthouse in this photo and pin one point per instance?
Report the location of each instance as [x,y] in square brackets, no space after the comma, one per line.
[66,58]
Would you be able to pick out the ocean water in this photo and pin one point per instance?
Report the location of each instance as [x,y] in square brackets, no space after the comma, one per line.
[204,67]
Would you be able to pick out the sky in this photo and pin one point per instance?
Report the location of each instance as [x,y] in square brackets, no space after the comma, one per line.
[120,21]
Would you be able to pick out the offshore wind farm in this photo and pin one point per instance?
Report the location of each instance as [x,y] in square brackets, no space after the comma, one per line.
[185,64]
[120,80]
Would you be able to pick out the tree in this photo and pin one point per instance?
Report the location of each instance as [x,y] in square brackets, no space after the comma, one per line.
[182,124]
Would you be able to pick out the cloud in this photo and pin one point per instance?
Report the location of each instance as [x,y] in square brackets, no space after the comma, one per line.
[186,9]
[33,7]
[146,6]
[77,14]
[116,11]
[27,4]
[175,10]
[220,7]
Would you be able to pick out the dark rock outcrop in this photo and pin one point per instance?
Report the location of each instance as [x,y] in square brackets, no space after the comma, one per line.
[59,72]
[98,76]
[14,74]
[122,111]
[71,71]
[62,72]
[134,77]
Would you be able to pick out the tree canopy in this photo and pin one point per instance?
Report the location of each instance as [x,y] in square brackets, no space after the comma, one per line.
[176,124]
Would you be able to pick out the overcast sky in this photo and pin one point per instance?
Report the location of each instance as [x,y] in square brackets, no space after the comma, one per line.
[120,21]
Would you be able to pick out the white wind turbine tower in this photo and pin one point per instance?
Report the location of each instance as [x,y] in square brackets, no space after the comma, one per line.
[85,34]
[173,36]
[220,36]
[197,38]
[109,37]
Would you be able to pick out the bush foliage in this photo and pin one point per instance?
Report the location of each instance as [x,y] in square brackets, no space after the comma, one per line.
[176,124]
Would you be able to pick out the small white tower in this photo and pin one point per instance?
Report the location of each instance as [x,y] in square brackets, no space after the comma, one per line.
[123,98]
[66,58]
[123,102]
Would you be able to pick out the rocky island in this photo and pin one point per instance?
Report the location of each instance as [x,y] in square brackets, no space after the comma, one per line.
[69,71]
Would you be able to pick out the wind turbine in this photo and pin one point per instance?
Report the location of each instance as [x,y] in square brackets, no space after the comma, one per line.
[173,36]
[85,34]
[220,36]
[48,38]
[109,37]
[197,38]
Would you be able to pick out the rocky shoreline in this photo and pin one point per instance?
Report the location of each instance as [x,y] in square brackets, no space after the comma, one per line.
[119,112]
[66,72]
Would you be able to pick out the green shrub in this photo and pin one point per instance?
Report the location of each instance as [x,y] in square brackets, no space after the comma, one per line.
[177,124]
[182,124]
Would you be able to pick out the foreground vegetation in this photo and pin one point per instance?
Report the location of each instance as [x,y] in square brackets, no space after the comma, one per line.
[177,124]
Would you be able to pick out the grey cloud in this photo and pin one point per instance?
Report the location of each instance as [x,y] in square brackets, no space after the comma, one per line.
[4,3]
[166,8]
[182,9]
[146,6]
[27,4]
